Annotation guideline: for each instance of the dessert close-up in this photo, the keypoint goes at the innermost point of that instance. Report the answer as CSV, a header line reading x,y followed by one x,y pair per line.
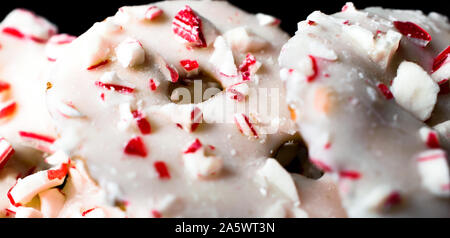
x,y
201,109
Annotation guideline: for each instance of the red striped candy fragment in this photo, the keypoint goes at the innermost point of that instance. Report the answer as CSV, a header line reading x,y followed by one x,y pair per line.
x,y
194,147
142,122
38,141
152,12
4,86
433,169
153,84
238,91
98,65
136,147
414,32
188,26
6,151
115,87
441,59
249,67
321,165
161,169
7,109
68,110
189,65
430,137
349,174
198,164
385,91
245,126
315,70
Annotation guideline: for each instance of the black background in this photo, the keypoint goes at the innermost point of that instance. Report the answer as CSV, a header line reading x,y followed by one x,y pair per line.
x,y
75,16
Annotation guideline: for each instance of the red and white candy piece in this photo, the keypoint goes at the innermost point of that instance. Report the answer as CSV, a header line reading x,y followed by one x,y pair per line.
x,y
95,212
238,91
56,44
136,147
38,141
152,13
6,151
23,24
52,201
191,66
279,179
223,59
441,67
169,71
430,137
25,189
414,90
386,45
97,53
434,170
267,20
242,40
414,32
58,158
7,109
111,81
198,164
245,126
130,53
153,84
249,67
68,110
187,25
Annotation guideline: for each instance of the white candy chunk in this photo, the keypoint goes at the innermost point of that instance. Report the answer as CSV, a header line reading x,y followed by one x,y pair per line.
x,y
28,212
95,213
52,201
362,37
385,47
35,27
152,12
244,41
199,165
238,91
97,51
320,50
111,78
58,158
349,6
130,53
267,20
223,58
434,171
30,186
107,27
414,90
56,44
443,129
277,177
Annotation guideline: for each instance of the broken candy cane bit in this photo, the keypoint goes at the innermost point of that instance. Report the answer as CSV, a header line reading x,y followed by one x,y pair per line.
x,y
194,147
142,122
245,126
441,59
98,65
188,26
152,12
161,169
249,67
4,86
430,138
170,73
115,87
280,179
68,110
414,32
350,174
267,20
55,45
25,189
223,59
94,213
13,32
153,84
130,53
58,158
244,41
415,90
434,171
52,201
136,147
315,70
349,6
189,65
238,91
385,91
191,121
36,137
97,54
6,151
321,165
7,109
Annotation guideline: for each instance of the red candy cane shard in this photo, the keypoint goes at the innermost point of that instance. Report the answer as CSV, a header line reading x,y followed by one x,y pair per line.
x,y
136,147
7,109
194,147
315,69
441,59
11,31
142,123
245,126
156,214
385,91
174,76
321,165
430,137
245,67
104,62
188,26
58,173
6,151
115,87
152,12
87,211
34,136
414,32
161,169
10,197
189,65
153,84
352,175
4,86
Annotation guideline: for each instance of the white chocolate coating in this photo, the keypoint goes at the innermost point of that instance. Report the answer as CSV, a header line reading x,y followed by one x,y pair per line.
x,y
337,84
219,175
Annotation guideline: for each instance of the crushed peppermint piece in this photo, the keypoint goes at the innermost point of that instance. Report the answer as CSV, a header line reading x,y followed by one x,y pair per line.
x,y
189,65
142,122
430,137
162,170
7,109
267,20
152,13
6,151
238,91
385,91
249,67
245,126
136,147
414,32
187,25
130,53
434,171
